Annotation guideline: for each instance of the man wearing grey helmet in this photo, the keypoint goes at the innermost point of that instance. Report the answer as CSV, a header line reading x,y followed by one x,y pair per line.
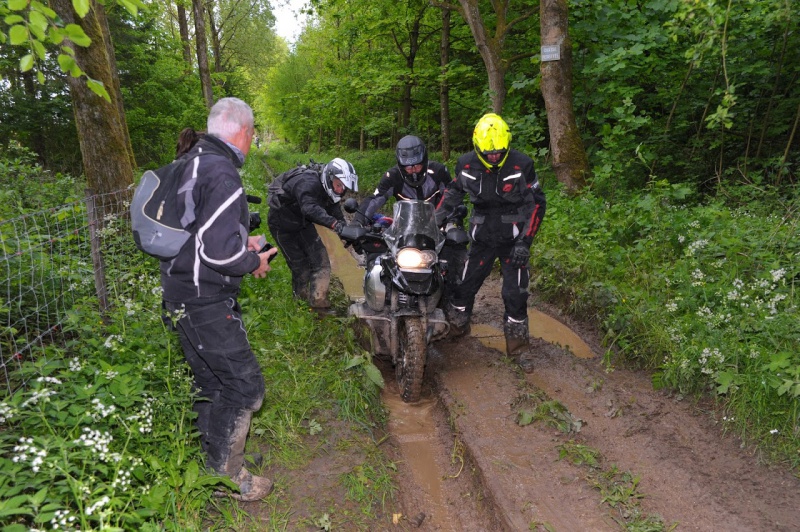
x,y
308,196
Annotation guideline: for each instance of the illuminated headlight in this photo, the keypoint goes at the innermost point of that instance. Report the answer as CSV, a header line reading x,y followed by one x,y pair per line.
x,y
414,259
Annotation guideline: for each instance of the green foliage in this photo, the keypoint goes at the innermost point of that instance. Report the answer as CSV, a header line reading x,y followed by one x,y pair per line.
x,y
20,175
101,437
34,26
704,294
102,434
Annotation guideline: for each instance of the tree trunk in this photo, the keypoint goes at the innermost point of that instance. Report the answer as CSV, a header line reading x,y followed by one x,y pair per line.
x,y
102,131
444,89
183,27
202,52
490,50
406,104
215,44
569,156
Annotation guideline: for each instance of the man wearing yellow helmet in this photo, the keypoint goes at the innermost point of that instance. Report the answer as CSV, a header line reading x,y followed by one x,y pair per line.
x,y
508,206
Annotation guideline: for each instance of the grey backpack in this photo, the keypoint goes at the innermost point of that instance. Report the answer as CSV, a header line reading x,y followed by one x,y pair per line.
x,y
157,228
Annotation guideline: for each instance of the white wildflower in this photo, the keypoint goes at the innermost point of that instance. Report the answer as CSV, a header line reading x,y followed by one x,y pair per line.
x,y
777,275
100,410
97,505
6,412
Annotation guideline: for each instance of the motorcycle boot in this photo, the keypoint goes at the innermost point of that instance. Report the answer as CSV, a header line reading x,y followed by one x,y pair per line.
x,y
458,317
518,343
320,285
251,487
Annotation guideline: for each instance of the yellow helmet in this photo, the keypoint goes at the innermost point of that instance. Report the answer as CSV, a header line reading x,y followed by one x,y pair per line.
x,y
491,136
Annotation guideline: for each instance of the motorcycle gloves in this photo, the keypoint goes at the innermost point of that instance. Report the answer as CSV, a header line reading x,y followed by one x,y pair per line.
x,y
520,255
338,227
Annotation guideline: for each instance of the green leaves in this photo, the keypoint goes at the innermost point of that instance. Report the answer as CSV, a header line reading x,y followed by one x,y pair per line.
x,y
18,34
81,7
76,34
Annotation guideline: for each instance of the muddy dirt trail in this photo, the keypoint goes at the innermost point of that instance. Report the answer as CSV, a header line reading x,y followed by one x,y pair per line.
x,y
470,461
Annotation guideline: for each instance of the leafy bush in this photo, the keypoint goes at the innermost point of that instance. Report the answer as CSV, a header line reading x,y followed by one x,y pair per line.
x,y
25,186
704,294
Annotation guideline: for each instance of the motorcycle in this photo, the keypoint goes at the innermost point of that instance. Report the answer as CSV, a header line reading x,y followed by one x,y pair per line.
x,y
403,285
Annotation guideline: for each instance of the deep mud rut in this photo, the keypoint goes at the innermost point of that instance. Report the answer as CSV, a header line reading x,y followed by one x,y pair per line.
x,y
495,474
465,463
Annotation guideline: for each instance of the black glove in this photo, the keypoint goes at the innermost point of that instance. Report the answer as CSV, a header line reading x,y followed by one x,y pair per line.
x,y
338,227
520,255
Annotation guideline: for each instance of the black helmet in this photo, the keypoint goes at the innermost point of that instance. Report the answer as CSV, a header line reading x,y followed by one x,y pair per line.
x,y
411,151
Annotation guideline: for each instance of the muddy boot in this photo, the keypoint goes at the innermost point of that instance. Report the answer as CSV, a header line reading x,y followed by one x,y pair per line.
x,y
525,362
251,487
458,317
518,342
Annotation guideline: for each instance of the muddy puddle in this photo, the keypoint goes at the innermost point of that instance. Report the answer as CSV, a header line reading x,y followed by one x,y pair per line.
x,y
413,426
346,268
691,475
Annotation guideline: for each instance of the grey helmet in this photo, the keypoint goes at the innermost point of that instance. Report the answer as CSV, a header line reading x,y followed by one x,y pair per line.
x,y
344,171
411,151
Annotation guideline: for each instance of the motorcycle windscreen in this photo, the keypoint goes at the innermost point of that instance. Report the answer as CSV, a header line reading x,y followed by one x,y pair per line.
x,y
414,226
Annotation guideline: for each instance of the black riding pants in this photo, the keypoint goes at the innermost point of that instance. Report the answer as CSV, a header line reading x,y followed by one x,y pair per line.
x,y
480,260
308,261
227,376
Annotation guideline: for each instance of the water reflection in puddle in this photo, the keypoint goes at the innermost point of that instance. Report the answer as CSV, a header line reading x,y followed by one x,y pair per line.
x,y
413,427
540,326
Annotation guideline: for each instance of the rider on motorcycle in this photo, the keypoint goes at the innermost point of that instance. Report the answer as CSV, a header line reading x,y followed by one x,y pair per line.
x,y
415,178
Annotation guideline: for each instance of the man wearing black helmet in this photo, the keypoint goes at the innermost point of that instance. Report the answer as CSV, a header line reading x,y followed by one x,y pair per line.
x,y
508,206
309,197
415,178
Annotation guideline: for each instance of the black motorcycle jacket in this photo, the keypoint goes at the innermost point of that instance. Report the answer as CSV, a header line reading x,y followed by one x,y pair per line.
x,y
510,201
437,179
213,204
303,202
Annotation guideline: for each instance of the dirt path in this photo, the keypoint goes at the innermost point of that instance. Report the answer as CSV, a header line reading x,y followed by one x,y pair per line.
x,y
690,475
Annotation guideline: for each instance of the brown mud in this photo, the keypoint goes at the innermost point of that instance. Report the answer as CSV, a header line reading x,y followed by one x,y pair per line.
x,y
464,463
691,475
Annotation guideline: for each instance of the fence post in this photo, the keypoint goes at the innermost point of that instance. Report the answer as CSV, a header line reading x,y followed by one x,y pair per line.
x,y
97,255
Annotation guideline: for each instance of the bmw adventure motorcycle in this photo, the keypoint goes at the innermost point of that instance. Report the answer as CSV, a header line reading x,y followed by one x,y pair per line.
x,y
403,285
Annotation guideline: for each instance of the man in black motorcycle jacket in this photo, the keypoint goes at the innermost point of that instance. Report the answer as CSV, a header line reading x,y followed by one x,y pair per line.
x,y
306,198
416,178
508,206
200,289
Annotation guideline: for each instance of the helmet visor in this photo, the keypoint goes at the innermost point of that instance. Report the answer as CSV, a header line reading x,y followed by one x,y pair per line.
x,y
410,156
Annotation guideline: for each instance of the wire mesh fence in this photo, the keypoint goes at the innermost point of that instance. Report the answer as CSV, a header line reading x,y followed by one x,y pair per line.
x,y
50,260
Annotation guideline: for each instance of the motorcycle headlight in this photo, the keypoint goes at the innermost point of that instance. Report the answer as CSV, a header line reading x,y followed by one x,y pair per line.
x,y
414,259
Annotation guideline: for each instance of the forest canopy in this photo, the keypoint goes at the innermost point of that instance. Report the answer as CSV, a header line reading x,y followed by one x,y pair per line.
x,y
699,92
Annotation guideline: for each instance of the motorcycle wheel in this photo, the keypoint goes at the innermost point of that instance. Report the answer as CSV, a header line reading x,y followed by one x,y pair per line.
x,y
410,366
